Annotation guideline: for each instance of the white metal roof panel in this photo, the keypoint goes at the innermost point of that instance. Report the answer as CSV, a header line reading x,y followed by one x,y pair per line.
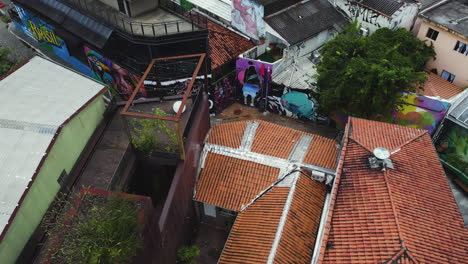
x,y
37,99
43,92
221,8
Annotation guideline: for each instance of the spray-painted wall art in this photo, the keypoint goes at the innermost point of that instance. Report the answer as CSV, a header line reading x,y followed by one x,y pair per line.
x,y
119,80
295,104
373,19
255,78
420,112
452,147
247,16
45,34
223,93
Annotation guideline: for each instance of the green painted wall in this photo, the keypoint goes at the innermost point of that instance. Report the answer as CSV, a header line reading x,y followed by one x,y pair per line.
x,y
65,152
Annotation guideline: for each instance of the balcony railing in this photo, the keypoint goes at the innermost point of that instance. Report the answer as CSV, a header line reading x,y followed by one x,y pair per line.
x,y
136,27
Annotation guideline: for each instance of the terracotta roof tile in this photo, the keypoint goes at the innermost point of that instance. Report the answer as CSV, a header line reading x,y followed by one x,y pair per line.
x,y
323,152
377,134
436,86
231,183
254,231
402,215
225,45
300,230
275,140
227,134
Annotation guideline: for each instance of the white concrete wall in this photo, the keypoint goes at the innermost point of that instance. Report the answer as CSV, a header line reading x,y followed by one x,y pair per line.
x,y
306,47
373,20
404,17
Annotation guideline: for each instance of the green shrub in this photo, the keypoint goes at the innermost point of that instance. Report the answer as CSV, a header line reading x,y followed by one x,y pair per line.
x,y
149,132
188,255
105,230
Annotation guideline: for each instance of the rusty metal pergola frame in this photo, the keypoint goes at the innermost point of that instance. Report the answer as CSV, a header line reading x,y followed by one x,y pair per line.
x,y
125,111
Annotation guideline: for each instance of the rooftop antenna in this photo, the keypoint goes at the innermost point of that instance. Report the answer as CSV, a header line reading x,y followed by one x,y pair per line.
x,y
381,159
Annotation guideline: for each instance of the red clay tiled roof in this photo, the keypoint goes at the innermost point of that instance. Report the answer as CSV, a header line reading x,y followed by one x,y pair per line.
x,y
300,230
227,134
231,183
325,155
254,231
275,140
371,135
225,45
402,215
252,236
436,86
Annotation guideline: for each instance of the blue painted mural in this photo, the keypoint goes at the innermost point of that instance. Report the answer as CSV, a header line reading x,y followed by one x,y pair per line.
x,y
44,33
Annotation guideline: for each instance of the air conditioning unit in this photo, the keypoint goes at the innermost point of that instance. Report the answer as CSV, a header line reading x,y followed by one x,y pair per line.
x,y
318,176
364,32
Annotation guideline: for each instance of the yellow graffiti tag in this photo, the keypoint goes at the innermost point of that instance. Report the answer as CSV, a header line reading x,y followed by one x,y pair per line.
x,y
43,34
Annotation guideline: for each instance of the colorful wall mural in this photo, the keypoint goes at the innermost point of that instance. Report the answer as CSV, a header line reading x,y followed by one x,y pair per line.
x,y
247,16
120,81
223,93
255,78
420,112
452,147
45,34
295,104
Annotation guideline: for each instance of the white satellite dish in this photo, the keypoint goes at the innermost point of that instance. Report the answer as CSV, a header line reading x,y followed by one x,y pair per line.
x,y
381,153
176,107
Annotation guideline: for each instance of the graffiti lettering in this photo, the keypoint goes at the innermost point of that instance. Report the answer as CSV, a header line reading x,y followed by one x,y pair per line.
x,y
42,33
365,14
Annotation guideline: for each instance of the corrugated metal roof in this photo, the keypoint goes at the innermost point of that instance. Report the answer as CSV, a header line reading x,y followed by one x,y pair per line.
x,y
217,7
387,7
37,98
460,111
306,20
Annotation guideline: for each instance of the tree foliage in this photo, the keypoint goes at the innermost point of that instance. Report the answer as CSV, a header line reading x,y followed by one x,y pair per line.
x,y
364,76
5,64
104,230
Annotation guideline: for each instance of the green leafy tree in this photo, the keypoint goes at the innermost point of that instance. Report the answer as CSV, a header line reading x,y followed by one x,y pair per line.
x,y
5,63
188,255
364,76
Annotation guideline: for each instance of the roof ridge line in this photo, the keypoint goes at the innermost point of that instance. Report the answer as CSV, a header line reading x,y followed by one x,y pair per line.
x,y
398,254
284,216
411,140
334,192
387,185
268,189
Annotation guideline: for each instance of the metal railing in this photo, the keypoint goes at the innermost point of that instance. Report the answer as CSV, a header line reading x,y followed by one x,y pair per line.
x,y
131,26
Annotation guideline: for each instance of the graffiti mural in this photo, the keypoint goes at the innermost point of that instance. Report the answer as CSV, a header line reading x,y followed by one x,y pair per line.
x,y
294,104
255,78
452,147
420,112
362,13
119,80
223,93
247,16
45,35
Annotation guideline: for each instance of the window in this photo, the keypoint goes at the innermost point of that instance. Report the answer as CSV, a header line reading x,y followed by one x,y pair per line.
x,y
432,34
461,47
447,76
